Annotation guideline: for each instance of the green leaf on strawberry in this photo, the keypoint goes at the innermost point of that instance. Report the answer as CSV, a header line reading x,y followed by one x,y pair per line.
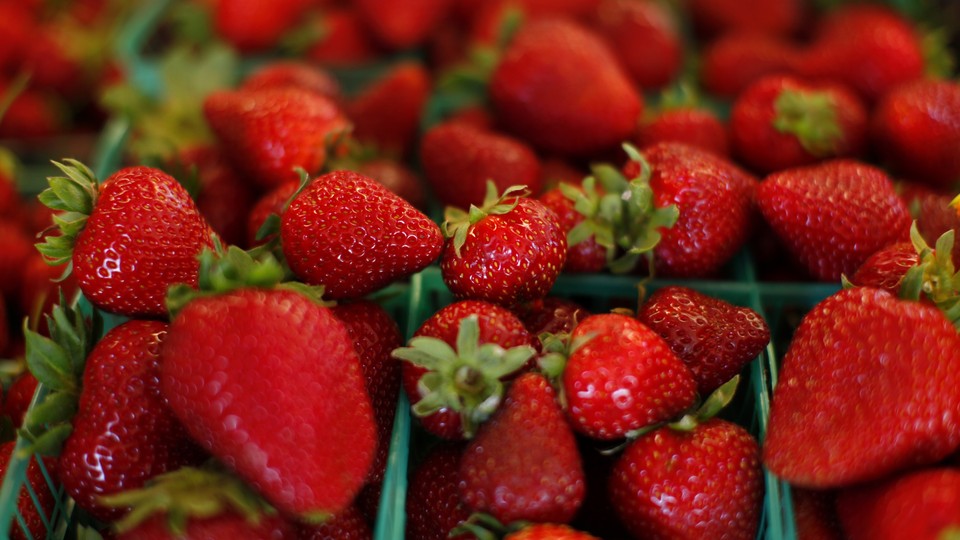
x,y
935,276
456,222
812,117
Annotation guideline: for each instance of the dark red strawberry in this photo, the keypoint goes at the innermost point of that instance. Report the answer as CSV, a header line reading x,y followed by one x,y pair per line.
x,y
886,396
347,525
917,504
524,463
781,121
459,159
552,315
32,115
18,397
886,268
433,504
267,133
18,24
833,215
550,65
297,73
703,483
621,376
129,237
344,39
497,327
714,338
398,178
17,247
585,255
123,433
694,126
815,514
352,235
931,210
40,288
733,62
645,37
548,531
36,500
508,251
870,48
275,371
761,17
916,128
401,26
227,525
386,113
251,26
273,202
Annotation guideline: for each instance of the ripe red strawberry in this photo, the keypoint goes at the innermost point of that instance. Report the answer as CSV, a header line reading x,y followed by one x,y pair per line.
x,y
272,202
251,26
17,247
129,238
386,113
586,255
645,37
714,338
548,531
815,514
227,525
553,315
347,525
298,73
733,62
459,159
39,288
32,115
268,381
401,26
18,397
353,236
702,483
344,39
508,251
917,504
496,326
623,377
870,48
833,215
35,513
267,133
694,126
886,394
762,17
398,178
779,122
123,433
714,198
916,128
551,65
886,268
524,463
17,26
433,504
931,210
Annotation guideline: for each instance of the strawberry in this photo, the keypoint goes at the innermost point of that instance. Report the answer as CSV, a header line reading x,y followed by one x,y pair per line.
x,y
779,122
275,371
476,387
298,73
586,255
508,251
433,504
17,247
621,376
833,215
703,483
398,178
251,26
267,133
128,238
886,395
32,115
344,39
550,65
915,128
694,126
733,62
870,48
40,287
815,514
524,463
36,500
552,315
18,397
347,525
886,268
353,236
931,210
459,159
918,504
645,37
228,525
402,26
386,113
714,199
123,433
714,338
548,531
272,202
17,25
772,17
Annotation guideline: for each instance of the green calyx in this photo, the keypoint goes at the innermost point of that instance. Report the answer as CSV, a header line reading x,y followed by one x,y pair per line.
x,y
486,527
457,222
811,116
57,362
188,493
72,198
466,379
622,217
556,349
934,277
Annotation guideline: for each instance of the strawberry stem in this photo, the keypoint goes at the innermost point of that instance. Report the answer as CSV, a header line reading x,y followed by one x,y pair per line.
x,y
812,117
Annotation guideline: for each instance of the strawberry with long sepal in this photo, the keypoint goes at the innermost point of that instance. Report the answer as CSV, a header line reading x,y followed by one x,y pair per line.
x,y
251,364
352,235
619,376
195,503
714,338
524,463
508,251
464,377
586,255
886,391
833,215
123,433
699,477
128,238
934,276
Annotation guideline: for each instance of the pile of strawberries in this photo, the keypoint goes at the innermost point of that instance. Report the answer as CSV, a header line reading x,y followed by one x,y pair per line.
x,y
269,207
